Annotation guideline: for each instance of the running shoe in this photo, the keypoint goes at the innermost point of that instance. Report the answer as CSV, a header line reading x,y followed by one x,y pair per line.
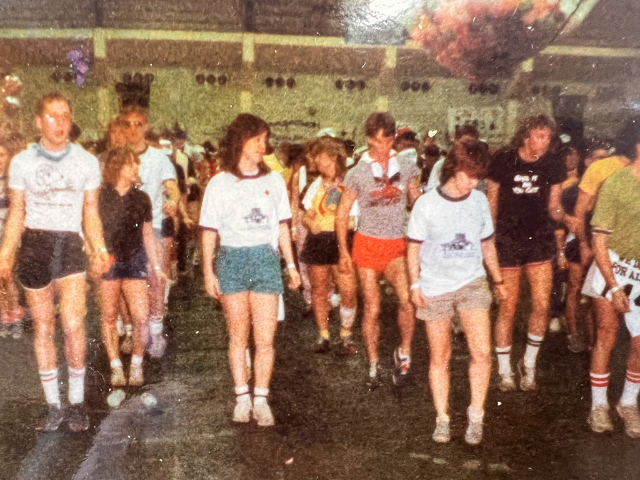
x,y
373,381
77,418
262,414
599,419
507,382
402,367
323,345
242,412
345,349
527,377
157,346
54,419
5,329
473,435
576,343
555,325
126,346
117,377
442,433
136,375
629,414
17,330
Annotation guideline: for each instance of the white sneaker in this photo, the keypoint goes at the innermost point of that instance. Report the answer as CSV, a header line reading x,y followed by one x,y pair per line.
x,y
507,382
136,375
554,325
473,435
242,412
442,433
629,414
527,377
158,346
117,377
262,414
599,419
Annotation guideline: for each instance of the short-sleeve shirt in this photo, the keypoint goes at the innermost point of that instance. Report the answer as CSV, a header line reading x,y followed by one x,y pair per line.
x,y
617,213
451,232
122,219
324,202
599,171
155,169
523,198
382,196
247,211
54,185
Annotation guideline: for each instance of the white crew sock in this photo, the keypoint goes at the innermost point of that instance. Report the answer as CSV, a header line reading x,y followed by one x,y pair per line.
x,y
242,394
533,347
504,360
260,396
128,329
281,308
49,379
116,363
631,388
76,385
475,416
599,384
120,326
347,317
136,360
155,325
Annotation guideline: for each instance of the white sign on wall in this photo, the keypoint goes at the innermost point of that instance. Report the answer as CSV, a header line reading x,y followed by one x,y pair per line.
x,y
488,120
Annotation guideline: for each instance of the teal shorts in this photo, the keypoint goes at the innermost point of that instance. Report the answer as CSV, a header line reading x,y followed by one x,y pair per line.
x,y
249,269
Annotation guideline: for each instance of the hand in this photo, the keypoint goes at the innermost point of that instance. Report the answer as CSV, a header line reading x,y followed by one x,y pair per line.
x,y
159,274
100,263
563,263
294,234
6,267
500,291
620,301
344,264
417,298
170,208
211,286
294,279
586,254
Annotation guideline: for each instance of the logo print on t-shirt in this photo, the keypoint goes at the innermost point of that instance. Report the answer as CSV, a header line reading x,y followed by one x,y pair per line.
x,y
50,180
459,247
525,184
256,217
330,201
386,192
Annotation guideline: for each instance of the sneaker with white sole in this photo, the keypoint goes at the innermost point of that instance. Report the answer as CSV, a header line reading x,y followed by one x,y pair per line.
x,y
473,435
442,433
157,346
136,375
242,412
507,382
17,330
555,325
117,377
402,368
126,346
262,414
629,414
527,377
5,329
599,419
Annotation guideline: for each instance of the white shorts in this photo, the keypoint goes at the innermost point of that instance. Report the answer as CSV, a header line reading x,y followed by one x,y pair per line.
x,y
627,273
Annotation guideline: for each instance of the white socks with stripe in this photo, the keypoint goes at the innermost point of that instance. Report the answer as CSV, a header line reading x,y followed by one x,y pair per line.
x,y
631,388
155,325
49,380
260,396
242,394
533,347
504,360
599,384
76,385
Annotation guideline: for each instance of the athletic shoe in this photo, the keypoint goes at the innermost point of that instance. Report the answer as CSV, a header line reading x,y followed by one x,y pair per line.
x,y
55,417
334,300
599,419
126,346
507,382
323,345
629,414
527,377
554,325
157,346
576,343
136,375
117,377
473,435
402,367
345,349
242,412
5,329
262,414
373,381
442,433
17,330
77,418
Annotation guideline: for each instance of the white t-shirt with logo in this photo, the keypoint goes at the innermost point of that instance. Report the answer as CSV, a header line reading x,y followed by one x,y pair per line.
x,y
246,212
450,232
155,169
54,189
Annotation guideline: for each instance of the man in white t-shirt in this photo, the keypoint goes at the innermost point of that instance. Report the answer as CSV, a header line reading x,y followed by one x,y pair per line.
x,y
54,198
159,179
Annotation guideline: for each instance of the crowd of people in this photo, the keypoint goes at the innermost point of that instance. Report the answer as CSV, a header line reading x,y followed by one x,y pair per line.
x,y
448,231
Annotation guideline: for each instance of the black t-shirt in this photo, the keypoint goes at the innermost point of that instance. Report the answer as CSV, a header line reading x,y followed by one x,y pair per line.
x,y
523,199
122,219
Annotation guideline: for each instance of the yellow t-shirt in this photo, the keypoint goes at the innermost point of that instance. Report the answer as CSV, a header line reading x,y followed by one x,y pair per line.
x,y
274,164
599,172
325,203
572,179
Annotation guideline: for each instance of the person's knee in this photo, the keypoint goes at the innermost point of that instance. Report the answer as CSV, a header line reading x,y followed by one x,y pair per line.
x,y
482,355
440,360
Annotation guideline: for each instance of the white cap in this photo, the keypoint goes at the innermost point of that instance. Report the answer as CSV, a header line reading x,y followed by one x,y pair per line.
x,y
326,132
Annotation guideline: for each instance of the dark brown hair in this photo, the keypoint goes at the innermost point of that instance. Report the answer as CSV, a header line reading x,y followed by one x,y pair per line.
x,y
469,156
115,160
244,127
529,124
137,109
333,147
380,121
466,130
51,97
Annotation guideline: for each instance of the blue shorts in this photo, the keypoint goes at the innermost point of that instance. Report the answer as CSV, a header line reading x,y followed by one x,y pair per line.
x,y
254,269
133,268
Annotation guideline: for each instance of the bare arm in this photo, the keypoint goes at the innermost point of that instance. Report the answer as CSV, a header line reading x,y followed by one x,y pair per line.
x,y
284,242
619,298
342,227
12,232
555,207
294,202
151,247
209,239
583,205
413,266
414,190
92,226
490,257
493,189
170,207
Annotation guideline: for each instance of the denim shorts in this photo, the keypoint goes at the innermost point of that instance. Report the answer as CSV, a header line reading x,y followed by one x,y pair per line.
x,y
255,269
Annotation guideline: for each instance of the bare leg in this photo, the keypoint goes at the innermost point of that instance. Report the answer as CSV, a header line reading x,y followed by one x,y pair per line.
x,y
477,328
540,276
238,316
370,322
110,294
264,310
137,296
40,304
320,286
396,274
439,336
507,310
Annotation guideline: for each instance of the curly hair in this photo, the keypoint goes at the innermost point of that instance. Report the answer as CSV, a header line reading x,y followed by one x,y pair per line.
x,y
469,156
334,147
244,127
529,124
115,160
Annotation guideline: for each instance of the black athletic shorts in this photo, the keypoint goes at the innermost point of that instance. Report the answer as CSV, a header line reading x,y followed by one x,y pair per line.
x,y
572,251
133,268
517,250
168,229
47,255
322,248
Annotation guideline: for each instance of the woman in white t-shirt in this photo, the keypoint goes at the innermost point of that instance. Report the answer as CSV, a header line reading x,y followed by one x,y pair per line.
x,y
247,207
450,234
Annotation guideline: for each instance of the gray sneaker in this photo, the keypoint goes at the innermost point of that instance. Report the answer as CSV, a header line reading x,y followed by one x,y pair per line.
x,y
77,418
473,435
507,383
157,346
442,433
54,418
17,330
629,414
599,419
5,329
